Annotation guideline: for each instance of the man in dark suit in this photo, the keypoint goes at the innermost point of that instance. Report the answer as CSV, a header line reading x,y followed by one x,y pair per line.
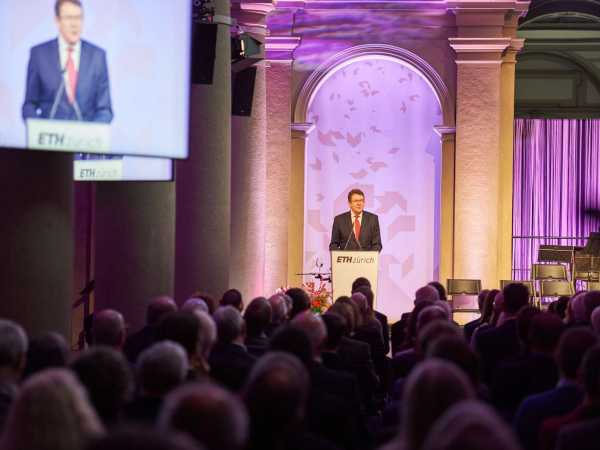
x,y
67,78
356,229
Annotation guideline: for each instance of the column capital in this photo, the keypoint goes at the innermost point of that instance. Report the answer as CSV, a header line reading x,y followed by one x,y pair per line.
x,y
302,130
251,15
479,50
446,134
510,55
281,48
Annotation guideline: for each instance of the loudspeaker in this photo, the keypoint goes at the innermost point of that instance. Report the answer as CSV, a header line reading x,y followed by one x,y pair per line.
x,y
243,92
204,44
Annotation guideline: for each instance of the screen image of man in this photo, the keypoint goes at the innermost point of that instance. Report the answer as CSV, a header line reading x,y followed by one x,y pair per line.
x,y
356,229
67,77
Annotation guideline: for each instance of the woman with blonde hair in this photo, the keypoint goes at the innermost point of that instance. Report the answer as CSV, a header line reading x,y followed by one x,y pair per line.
x,y
51,412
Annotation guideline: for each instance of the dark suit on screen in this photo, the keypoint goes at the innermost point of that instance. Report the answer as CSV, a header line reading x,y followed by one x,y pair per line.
x,y
342,233
44,77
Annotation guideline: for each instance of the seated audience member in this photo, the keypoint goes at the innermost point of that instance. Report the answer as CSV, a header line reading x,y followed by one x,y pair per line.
x,y
591,301
576,310
370,333
535,370
588,409
51,412
335,326
214,417
207,338
13,354
487,314
195,304
470,425
142,438
565,396
559,307
257,317
470,327
105,374
363,286
300,301
495,345
185,329
440,288
232,297
229,360
276,395
279,313
210,301
431,389
46,351
328,402
159,369
108,329
156,310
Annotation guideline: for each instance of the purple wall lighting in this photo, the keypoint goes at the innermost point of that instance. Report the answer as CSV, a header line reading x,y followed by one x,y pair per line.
x,y
374,122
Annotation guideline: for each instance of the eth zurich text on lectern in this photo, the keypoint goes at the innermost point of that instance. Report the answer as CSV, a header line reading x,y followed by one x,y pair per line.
x,y
348,265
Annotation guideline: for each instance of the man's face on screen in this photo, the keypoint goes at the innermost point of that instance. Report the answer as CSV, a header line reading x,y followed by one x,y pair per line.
x,y
70,22
357,203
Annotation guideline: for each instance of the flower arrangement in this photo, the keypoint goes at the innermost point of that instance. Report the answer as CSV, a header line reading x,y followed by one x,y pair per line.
x,y
320,296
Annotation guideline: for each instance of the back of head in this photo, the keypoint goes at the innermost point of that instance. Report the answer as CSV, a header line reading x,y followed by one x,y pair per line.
x,y
346,312
161,368
13,345
436,330
232,297
230,324
544,332
488,305
314,328
142,438
207,334
300,301
106,376
470,425
571,347
455,349
431,314
195,304
368,293
50,412
336,327
576,308
411,332
360,300
591,300
481,298
360,281
211,415
181,327
158,308
275,394
210,301
591,374
294,341
431,388
257,316
440,288
524,317
426,293
516,295
45,351
278,309
108,328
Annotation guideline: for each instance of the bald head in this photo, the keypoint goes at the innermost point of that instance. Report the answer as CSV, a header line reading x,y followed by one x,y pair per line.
x,y
426,293
195,304
108,329
314,328
278,309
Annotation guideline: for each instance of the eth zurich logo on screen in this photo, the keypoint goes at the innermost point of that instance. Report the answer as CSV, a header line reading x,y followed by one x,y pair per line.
x,y
355,259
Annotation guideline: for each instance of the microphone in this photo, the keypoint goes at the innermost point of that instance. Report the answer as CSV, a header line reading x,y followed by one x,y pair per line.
x,y
58,94
349,236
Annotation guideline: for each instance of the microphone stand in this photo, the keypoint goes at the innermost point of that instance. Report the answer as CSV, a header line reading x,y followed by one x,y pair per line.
x,y
58,95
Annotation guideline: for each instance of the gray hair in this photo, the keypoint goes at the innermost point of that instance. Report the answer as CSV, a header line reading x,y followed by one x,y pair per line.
x,y
428,293
55,403
279,308
108,328
13,344
314,327
161,367
195,304
207,334
230,323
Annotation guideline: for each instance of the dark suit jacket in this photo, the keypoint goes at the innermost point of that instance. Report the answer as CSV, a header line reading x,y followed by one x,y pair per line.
x,y
139,341
495,345
44,77
342,233
580,436
385,330
230,364
537,408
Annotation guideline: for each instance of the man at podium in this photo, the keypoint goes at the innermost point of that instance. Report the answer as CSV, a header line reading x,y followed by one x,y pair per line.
x,y
356,229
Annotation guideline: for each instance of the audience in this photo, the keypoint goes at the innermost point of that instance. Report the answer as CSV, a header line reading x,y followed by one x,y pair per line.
x,y
311,380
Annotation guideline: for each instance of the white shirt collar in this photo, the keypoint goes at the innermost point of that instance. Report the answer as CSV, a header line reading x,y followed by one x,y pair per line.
x,y
62,51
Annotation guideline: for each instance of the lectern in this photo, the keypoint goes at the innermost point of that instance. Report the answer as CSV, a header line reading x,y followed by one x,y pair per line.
x,y
68,135
348,265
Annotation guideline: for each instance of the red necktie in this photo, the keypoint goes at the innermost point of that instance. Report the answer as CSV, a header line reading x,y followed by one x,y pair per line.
x,y
71,75
356,228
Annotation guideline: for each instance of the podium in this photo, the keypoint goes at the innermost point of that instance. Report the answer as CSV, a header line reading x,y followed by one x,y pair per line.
x,y
68,136
348,265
